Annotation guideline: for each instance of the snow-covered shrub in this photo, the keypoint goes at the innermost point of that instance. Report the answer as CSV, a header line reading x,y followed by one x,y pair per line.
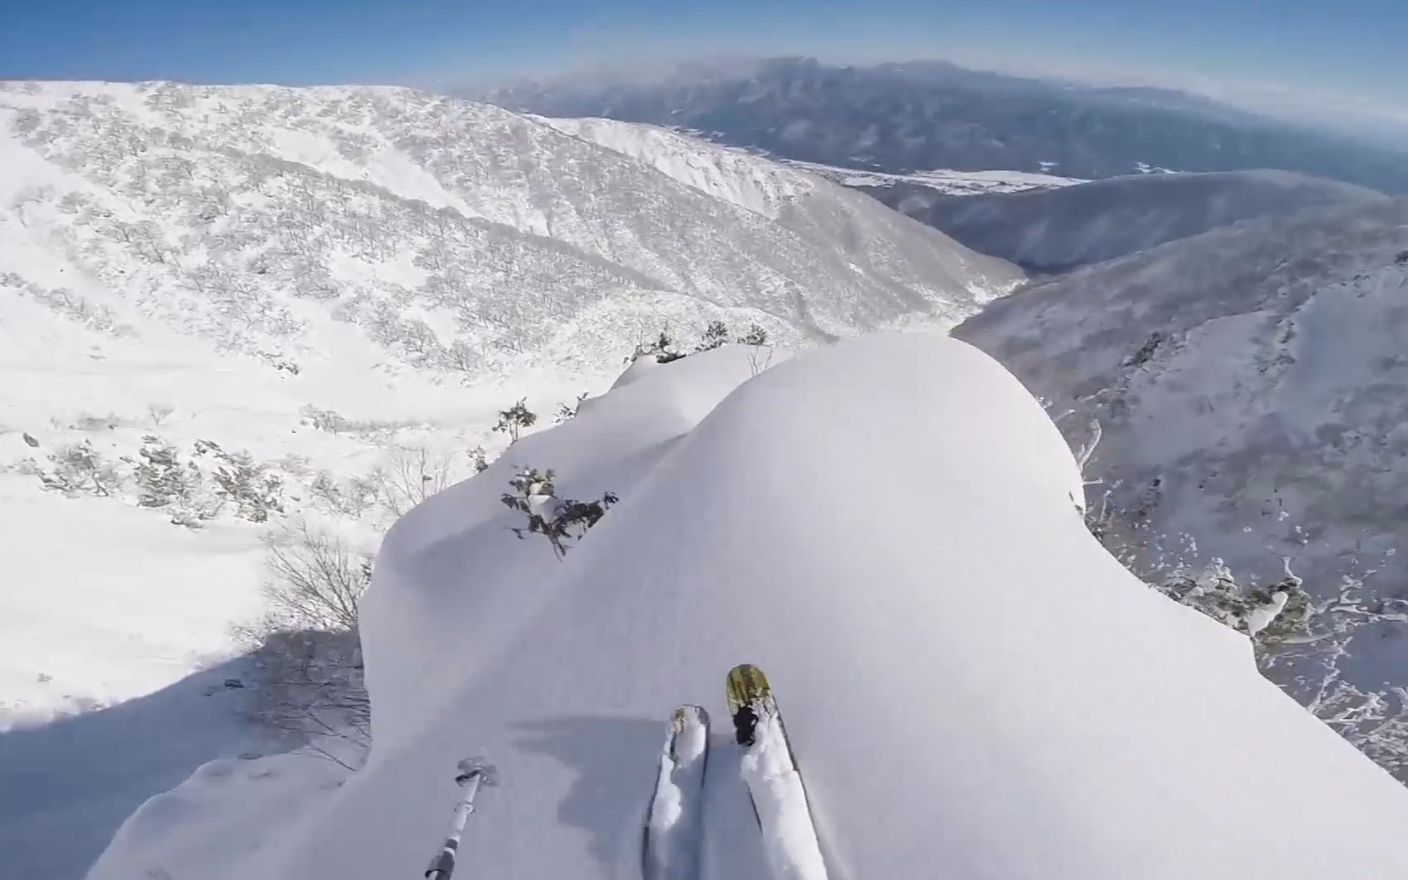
x,y
78,469
164,481
1270,615
325,419
756,335
307,648
479,459
662,349
513,420
1308,638
349,498
566,412
557,519
92,423
254,491
715,335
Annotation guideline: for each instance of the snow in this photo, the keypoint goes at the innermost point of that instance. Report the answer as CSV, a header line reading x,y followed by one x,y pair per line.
x,y
1260,617
672,842
889,527
329,278
217,823
781,802
943,180
797,197
733,175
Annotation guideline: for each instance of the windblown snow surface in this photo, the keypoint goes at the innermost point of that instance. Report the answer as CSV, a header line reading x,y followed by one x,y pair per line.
x,y
973,687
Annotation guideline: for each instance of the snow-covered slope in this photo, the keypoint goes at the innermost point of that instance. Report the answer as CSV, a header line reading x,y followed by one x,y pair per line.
x,y
973,686
733,175
1252,389
1054,229
797,201
218,263
437,233
335,280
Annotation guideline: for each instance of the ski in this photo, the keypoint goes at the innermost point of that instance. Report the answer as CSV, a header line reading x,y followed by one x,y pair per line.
x,y
769,769
670,849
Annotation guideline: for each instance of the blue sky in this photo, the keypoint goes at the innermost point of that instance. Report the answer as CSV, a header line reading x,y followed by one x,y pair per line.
x,y
1322,51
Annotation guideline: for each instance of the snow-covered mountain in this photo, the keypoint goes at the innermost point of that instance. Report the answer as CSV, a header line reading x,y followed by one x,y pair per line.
x,y
973,687
1054,229
450,235
908,117
331,289
800,203
1251,388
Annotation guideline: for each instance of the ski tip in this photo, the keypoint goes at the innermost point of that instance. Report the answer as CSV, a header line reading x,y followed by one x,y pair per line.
x,y
688,715
745,685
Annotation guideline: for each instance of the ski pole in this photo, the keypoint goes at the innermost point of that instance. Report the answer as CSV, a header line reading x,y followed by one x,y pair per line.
x,y
473,772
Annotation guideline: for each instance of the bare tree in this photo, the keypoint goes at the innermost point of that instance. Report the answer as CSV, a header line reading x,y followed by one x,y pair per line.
x,y
316,580
410,477
307,647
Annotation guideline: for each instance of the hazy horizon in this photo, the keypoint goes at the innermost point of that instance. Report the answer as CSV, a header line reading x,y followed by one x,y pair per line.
x,y
1301,61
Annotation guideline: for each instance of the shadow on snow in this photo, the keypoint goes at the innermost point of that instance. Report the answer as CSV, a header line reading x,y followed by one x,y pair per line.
x,y
68,784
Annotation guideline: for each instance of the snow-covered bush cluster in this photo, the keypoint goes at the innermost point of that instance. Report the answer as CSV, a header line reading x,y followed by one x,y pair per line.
x,y
198,488
664,348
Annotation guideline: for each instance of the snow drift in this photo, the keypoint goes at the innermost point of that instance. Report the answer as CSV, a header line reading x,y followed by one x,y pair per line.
x,y
973,687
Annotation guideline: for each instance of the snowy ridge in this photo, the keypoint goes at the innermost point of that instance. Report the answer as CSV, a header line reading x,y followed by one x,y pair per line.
x,y
735,176
1013,675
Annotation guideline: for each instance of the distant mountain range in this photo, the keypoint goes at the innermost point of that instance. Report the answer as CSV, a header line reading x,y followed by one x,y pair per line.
x,y
925,115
